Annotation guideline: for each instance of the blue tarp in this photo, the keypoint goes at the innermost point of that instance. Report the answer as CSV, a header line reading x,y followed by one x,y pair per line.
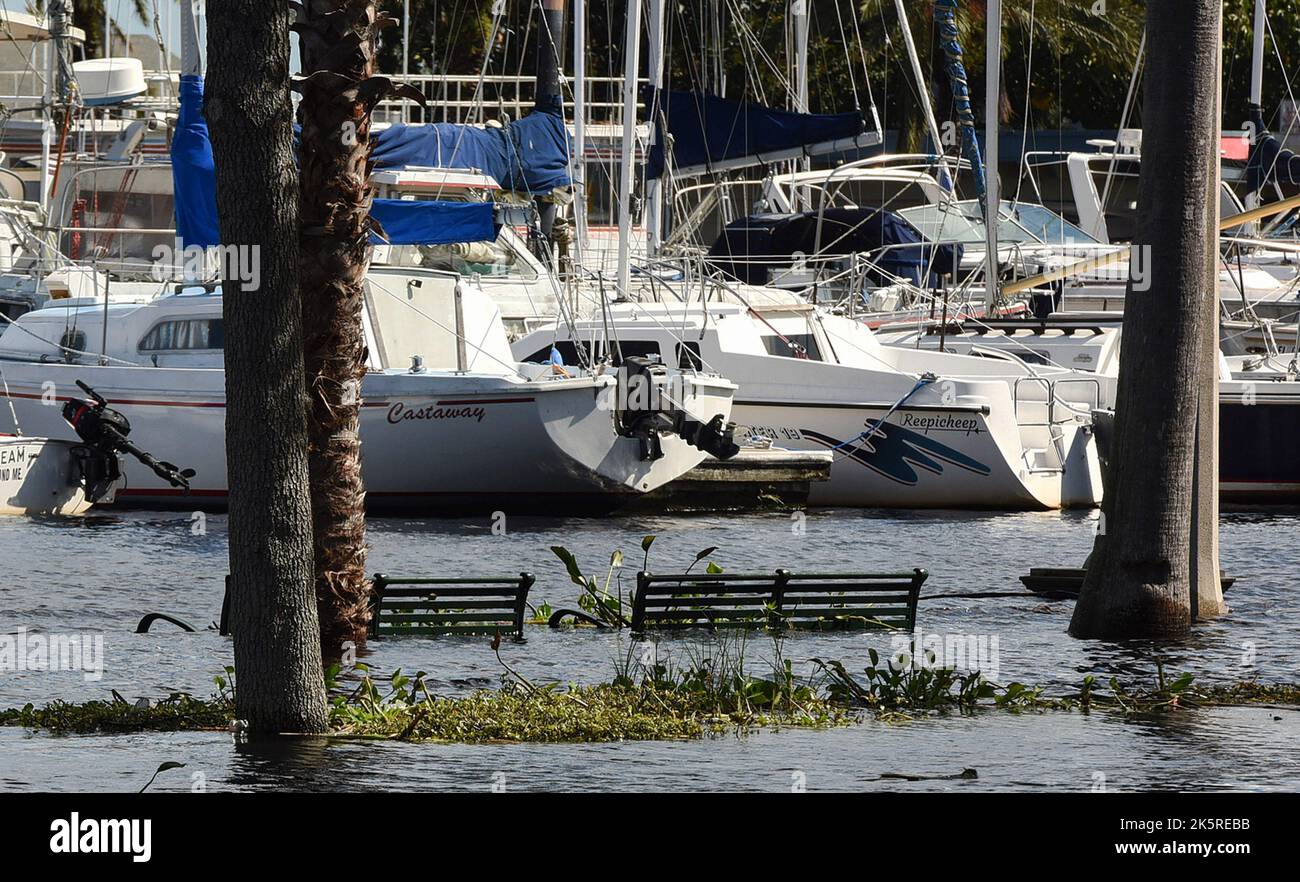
x,y
751,246
407,222
706,130
194,177
404,222
531,155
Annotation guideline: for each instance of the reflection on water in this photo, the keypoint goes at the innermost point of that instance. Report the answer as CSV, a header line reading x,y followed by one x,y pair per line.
x,y
100,574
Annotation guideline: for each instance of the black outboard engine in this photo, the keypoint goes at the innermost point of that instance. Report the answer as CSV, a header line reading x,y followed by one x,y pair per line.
x,y
647,410
105,432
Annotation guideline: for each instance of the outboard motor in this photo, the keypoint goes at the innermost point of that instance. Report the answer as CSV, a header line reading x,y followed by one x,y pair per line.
x,y
104,431
647,410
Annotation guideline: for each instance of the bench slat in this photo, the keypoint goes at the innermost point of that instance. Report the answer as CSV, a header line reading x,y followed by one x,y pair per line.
x,y
450,617
446,604
434,631
831,612
809,600
710,601
437,591
417,606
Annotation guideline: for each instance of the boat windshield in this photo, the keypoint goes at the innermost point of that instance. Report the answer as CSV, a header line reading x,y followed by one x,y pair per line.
x,y
1017,223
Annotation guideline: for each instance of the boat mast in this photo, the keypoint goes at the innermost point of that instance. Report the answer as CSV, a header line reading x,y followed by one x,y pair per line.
x,y
921,85
631,64
1257,59
549,43
58,86
1257,81
992,191
799,12
654,186
579,126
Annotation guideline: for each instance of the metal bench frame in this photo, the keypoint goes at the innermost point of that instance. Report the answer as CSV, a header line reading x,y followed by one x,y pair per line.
x,y
779,601
425,607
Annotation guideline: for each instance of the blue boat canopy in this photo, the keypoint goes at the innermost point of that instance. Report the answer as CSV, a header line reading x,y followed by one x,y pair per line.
x,y
405,222
409,222
710,134
529,156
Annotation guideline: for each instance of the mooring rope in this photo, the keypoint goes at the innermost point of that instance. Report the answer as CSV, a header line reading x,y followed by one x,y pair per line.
x,y
926,379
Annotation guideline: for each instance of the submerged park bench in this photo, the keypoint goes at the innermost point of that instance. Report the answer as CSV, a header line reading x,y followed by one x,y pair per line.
x,y
422,607
777,601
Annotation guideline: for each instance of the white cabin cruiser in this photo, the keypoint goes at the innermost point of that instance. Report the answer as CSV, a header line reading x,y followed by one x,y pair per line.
x,y
450,421
909,429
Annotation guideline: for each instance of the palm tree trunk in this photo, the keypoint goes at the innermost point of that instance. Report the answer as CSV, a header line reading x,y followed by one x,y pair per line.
x,y
1139,578
280,686
338,39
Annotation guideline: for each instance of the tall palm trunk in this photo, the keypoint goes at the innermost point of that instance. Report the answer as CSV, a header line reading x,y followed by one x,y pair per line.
x,y
338,40
280,685
1140,580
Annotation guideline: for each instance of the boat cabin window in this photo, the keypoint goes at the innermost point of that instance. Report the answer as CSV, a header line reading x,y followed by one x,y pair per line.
x,y
487,259
633,348
618,349
568,353
74,341
689,358
185,335
793,346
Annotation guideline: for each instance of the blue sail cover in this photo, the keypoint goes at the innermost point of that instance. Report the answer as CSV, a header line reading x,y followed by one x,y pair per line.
x,y
404,222
409,222
945,19
530,156
706,130
194,177
1269,160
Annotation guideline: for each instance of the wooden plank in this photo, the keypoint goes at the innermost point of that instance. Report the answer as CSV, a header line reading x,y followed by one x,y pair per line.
x,y
661,602
828,612
711,590
451,617
853,587
452,603
651,580
445,630
451,592
395,580
831,600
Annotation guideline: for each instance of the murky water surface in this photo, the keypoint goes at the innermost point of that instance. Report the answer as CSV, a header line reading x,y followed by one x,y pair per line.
x,y
100,574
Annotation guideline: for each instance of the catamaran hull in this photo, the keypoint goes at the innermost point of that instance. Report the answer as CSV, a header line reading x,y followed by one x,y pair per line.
x,y
469,444
921,457
39,476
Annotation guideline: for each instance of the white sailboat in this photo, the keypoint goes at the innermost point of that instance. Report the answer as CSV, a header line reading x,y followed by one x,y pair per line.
x,y
450,421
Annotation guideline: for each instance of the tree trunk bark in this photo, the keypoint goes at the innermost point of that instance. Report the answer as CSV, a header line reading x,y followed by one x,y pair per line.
x,y
338,39
280,686
1139,577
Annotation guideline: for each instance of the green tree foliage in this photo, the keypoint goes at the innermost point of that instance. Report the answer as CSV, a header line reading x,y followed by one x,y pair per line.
x,y
1065,62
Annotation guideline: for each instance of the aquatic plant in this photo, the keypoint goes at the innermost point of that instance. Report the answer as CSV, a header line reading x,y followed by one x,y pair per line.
x,y
650,697
178,712
612,608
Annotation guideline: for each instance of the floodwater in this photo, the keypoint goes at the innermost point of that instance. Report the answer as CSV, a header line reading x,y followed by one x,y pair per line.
x,y
99,574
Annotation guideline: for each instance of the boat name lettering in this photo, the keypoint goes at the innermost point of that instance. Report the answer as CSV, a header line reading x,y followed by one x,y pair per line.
x,y
400,412
13,455
943,423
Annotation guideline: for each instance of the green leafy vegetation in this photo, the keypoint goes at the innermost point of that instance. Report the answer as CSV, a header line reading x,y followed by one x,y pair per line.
x,y
608,603
711,692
